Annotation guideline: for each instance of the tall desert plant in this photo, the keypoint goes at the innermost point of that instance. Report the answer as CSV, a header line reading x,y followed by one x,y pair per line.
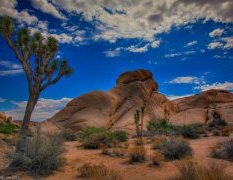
x,y
142,118
136,122
37,55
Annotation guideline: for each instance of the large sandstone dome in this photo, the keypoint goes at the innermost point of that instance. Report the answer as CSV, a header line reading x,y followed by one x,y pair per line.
x,y
115,109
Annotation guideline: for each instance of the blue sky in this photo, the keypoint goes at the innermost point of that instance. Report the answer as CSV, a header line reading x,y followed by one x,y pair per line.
x,y
186,44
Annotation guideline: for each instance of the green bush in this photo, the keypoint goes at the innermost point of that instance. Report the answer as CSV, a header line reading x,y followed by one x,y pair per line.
x,y
94,141
223,150
40,155
175,148
7,128
191,131
93,138
160,127
88,131
120,136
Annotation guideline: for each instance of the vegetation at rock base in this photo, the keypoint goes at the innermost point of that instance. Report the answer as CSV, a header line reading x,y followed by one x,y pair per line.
x,y
7,128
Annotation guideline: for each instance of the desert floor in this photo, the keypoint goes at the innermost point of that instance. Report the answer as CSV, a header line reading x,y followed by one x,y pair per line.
x,y
76,157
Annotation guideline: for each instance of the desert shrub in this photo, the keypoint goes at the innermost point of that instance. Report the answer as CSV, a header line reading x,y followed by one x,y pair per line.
x,y
88,131
157,158
226,131
175,148
193,171
160,127
94,141
98,172
40,155
191,131
223,150
139,141
69,135
7,128
120,135
137,154
216,132
157,141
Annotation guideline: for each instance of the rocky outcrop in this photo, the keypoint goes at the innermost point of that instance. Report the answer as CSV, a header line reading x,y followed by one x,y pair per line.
x,y
204,108
115,109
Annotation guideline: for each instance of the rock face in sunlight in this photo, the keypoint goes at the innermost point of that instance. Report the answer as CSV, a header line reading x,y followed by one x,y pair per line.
x,y
115,109
204,107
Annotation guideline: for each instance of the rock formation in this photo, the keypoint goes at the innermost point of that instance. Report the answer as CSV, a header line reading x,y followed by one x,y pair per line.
x,y
204,107
115,109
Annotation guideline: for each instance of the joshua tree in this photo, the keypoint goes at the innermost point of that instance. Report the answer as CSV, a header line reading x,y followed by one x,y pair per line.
x,y
142,119
37,56
136,121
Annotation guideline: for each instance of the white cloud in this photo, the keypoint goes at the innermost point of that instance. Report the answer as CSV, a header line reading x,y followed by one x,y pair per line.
x,y
8,8
217,85
2,100
216,33
44,109
12,68
174,97
145,19
192,43
8,64
11,72
172,55
185,80
112,53
215,45
229,42
47,7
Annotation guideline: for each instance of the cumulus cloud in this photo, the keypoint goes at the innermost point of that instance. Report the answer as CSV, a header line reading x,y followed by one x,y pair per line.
x,y
226,86
47,7
7,8
192,43
228,42
44,109
215,45
216,33
185,80
112,53
145,19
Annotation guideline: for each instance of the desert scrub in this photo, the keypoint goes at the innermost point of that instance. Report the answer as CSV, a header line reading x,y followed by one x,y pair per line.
x,y
98,172
94,141
157,158
175,148
139,141
88,131
193,171
69,135
160,127
7,128
137,154
223,150
40,155
120,136
191,131
226,131
157,141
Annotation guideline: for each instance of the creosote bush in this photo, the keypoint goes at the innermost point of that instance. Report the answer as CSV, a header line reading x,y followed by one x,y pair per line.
x,y
93,138
7,128
223,150
175,148
191,131
157,141
40,155
160,127
69,135
193,171
98,172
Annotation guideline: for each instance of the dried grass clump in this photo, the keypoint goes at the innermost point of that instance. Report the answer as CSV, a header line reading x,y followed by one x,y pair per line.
x,y
191,170
137,154
98,172
223,150
157,141
139,142
157,158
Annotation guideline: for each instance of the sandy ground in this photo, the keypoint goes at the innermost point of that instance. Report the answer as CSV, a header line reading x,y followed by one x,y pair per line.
x,y
76,157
